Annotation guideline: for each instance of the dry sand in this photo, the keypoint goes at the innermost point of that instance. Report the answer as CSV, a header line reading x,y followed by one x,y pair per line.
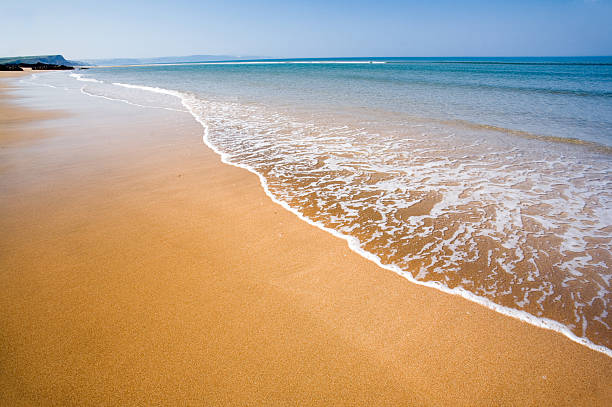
x,y
137,269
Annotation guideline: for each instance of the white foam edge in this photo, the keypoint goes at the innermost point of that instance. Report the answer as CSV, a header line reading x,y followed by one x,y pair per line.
x,y
354,245
79,77
83,91
31,80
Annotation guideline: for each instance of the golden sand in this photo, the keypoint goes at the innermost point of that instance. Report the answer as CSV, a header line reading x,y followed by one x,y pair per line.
x,y
137,269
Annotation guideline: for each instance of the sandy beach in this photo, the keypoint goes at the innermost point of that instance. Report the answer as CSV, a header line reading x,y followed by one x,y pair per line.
x,y
137,269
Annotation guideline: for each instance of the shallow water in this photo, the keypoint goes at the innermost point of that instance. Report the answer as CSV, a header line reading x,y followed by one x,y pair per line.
x,y
488,180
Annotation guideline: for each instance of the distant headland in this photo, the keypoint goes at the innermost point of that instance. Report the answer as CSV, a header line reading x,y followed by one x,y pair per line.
x,y
37,62
169,60
56,62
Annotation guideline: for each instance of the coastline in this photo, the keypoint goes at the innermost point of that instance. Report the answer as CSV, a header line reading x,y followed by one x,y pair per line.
x,y
543,321
143,270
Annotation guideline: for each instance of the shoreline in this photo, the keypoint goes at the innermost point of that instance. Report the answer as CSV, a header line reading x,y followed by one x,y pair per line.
x,y
289,321
354,244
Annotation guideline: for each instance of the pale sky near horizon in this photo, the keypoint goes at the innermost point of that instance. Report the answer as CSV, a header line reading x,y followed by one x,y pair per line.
x,y
316,28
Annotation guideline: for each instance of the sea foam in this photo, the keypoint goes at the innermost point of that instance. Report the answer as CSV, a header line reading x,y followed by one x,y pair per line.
x,y
391,214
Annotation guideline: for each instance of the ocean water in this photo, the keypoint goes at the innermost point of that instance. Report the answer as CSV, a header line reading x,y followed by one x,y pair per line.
x,y
489,178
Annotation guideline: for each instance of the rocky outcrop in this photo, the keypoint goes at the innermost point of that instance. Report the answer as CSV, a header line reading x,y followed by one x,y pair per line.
x,y
47,67
10,67
35,67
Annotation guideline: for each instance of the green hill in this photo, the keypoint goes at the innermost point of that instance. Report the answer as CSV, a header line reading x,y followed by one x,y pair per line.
x,y
45,59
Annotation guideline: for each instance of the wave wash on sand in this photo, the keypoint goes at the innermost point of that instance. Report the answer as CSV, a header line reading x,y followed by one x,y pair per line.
x,y
524,234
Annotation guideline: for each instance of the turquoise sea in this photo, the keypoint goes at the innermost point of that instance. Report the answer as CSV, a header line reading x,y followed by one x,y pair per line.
x,y
489,178
555,97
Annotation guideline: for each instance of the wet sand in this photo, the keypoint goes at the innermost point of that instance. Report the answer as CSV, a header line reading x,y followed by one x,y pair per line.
x,y
137,269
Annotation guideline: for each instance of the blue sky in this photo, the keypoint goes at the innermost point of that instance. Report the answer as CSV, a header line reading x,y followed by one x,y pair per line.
x,y
124,28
